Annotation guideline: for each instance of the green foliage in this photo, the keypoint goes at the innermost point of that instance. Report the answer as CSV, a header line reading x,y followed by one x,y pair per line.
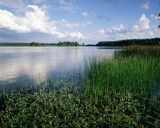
x,y
37,44
67,43
68,108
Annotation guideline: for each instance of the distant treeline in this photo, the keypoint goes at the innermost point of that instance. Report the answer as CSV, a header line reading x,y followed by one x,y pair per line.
x,y
153,41
14,44
65,43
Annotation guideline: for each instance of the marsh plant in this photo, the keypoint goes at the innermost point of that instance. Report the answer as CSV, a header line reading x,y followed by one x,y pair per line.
x,y
68,107
132,70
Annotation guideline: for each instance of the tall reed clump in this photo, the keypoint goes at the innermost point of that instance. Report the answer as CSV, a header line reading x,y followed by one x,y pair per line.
x,y
131,71
142,52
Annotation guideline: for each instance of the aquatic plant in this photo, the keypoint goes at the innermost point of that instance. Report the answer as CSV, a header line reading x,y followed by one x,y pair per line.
x,y
67,107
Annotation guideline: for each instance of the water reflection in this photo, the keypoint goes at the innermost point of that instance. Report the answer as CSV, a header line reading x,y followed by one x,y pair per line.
x,y
26,64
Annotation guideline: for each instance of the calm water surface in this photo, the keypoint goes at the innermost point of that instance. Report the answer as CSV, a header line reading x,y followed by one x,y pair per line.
x,y
19,65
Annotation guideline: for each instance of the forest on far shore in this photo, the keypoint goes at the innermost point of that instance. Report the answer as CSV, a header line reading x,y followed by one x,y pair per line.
x,y
65,43
152,41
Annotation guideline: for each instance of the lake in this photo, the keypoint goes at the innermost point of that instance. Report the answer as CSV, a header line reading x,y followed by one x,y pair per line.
x,y
31,65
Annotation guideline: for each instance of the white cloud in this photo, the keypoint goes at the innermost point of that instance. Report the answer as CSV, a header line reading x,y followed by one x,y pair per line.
x,y
87,13
101,32
70,25
76,35
108,34
145,5
113,30
35,20
143,23
119,29
135,28
139,30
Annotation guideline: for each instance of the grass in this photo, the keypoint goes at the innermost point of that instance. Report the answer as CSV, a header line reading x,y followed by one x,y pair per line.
x,y
133,74
119,92
135,71
143,51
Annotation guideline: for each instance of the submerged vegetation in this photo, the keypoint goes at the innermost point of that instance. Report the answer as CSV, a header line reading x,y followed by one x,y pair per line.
x,y
119,92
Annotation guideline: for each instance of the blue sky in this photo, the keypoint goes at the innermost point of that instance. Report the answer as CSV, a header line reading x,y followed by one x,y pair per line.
x,y
86,21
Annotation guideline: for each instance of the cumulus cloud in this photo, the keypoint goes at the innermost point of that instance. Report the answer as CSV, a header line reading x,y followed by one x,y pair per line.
x,y
113,30
119,29
108,34
145,5
34,20
111,36
139,30
143,23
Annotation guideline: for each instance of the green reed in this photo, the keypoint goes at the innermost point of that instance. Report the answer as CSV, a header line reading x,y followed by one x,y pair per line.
x,y
132,70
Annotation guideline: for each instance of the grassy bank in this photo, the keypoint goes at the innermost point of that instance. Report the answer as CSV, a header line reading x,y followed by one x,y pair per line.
x,y
120,92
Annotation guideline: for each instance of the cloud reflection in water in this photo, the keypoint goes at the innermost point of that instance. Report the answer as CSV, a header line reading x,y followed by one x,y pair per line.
x,y
37,63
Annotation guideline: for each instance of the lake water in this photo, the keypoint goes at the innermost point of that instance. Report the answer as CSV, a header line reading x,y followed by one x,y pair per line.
x,y
29,65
